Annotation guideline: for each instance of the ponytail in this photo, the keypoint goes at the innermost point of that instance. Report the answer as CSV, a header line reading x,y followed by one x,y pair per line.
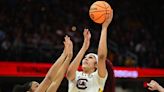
x,y
110,82
22,88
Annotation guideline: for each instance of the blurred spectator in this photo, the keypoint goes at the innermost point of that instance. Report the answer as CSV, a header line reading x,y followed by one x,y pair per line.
x,y
32,30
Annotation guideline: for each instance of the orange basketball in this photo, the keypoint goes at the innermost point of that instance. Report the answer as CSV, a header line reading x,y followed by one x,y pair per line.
x,y
99,11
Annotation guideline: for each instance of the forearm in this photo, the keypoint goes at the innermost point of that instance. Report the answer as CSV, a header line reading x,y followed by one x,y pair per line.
x,y
102,48
60,75
52,71
160,89
52,87
62,70
75,64
44,85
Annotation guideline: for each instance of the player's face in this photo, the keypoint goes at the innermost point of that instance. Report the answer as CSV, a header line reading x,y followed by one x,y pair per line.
x,y
89,62
34,86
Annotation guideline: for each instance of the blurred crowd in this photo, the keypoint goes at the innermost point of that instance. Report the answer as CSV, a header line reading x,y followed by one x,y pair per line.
x,y
33,30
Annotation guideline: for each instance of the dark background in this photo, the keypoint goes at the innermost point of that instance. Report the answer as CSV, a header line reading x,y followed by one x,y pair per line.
x,y
33,31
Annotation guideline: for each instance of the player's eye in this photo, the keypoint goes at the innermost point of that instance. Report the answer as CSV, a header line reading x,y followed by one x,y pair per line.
x,y
90,57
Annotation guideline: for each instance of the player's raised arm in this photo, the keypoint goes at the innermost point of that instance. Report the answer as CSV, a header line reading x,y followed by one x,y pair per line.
x,y
62,70
102,48
51,73
76,62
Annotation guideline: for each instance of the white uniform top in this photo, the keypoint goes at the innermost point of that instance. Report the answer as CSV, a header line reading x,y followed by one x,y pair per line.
x,y
87,82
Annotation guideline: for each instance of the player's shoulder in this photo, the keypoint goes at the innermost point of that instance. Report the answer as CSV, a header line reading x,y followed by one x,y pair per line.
x,y
79,72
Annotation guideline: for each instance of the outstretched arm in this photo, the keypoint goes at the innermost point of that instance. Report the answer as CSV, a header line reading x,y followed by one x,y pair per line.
x,y
102,48
76,62
62,70
51,73
153,85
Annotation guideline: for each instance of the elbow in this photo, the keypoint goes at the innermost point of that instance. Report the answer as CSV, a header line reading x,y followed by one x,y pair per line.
x,y
69,76
102,56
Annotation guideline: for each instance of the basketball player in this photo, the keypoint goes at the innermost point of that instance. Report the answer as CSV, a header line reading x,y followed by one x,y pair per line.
x,y
153,85
94,74
55,74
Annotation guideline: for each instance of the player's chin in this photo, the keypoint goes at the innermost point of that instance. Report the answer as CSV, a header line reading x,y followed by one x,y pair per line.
x,y
85,66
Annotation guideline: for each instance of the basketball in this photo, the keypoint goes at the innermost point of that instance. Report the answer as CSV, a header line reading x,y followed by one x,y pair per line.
x,y
99,11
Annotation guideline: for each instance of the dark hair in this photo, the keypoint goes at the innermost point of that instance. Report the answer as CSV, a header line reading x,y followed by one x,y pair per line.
x,y
110,82
22,88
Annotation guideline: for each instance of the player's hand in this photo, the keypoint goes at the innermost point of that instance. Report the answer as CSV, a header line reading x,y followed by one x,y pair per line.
x,y
153,85
108,20
68,46
87,37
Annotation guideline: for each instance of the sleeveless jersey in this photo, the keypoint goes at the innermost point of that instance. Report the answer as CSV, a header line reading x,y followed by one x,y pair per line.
x,y
87,82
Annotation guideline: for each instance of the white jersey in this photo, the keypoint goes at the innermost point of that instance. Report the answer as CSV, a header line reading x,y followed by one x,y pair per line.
x,y
87,82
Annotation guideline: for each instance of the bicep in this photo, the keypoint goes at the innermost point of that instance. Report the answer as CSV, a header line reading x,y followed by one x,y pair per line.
x,y
101,67
101,81
70,75
73,76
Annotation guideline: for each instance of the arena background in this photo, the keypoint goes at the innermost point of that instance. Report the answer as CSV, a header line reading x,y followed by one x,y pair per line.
x,y
32,31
